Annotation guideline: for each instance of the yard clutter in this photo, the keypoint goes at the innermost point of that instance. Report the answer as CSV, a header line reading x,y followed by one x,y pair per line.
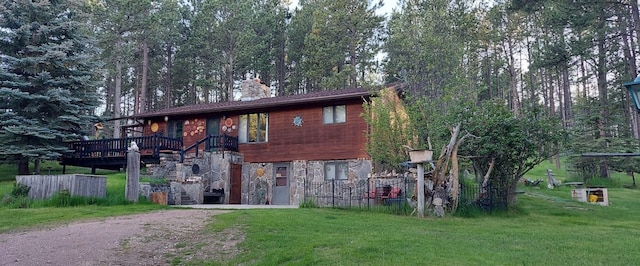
x,y
441,184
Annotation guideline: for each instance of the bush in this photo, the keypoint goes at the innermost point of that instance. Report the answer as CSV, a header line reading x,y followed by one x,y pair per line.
x,y
308,203
20,190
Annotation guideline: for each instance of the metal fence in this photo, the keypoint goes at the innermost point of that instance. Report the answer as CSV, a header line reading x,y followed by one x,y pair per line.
x,y
391,194
388,193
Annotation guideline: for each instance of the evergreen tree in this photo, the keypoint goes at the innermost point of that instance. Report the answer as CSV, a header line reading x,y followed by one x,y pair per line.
x,y
47,82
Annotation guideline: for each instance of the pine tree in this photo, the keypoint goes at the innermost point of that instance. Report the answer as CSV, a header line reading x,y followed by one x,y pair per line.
x,y
47,79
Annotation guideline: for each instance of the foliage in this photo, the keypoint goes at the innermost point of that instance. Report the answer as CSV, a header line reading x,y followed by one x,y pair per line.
x,y
389,131
514,144
425,45
308,203
341,42
20,190
586,137
47,78
154,180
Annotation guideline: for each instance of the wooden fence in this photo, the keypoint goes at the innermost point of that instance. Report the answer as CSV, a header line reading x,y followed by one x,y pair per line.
x,y
44,186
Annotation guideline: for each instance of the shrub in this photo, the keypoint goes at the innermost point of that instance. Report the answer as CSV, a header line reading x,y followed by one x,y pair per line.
x,y
20,190
308,203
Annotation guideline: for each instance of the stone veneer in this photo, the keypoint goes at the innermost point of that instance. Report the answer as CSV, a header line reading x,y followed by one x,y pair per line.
x,y
214,173
258,189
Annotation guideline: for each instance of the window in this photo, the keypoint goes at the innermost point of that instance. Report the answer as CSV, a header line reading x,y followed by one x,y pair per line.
x,y
253,128
334,114
336,170
174,128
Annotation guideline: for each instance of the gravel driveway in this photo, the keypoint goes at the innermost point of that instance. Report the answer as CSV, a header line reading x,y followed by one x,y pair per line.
x,y
157,238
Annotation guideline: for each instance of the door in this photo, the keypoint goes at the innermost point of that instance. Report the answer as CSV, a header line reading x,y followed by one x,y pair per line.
x,y
235,193
281,184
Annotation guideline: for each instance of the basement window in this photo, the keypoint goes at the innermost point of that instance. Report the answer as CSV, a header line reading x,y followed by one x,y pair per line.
x,y
336,170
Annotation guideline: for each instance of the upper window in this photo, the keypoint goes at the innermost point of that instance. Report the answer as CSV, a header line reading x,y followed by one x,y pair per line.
x,y
334,114
336,170
253,128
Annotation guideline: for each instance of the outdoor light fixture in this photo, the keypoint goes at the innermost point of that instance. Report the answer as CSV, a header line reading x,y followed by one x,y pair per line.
x,y
166,118
634,91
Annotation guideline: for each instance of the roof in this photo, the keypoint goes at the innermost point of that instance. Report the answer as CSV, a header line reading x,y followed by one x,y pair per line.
x,y
264,103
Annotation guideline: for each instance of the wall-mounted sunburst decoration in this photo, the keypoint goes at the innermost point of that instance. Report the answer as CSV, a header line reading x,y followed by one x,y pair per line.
x,y
297,121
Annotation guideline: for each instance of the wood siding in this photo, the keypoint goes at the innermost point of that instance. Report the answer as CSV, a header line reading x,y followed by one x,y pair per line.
x,y
287,142
311,141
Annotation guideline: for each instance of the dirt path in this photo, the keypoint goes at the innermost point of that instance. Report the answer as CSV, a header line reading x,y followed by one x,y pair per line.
x,y
158,238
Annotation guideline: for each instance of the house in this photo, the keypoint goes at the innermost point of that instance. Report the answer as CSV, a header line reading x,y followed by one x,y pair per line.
x,y
261,149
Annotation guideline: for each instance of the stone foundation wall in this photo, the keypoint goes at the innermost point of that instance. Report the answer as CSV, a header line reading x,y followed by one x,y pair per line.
x,y
258,179
211,170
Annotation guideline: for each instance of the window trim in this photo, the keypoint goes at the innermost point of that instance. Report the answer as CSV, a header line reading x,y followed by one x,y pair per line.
x,y
334,113
336,165
244,128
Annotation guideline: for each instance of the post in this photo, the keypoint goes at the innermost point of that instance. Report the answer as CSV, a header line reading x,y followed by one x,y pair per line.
x,y
133,176
420,185
419,157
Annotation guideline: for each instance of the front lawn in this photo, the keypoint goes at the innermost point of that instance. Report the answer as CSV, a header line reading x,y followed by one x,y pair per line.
x,y
548,228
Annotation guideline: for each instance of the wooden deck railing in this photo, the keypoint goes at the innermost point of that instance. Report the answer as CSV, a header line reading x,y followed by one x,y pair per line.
x,y
104,148
148,145
213,142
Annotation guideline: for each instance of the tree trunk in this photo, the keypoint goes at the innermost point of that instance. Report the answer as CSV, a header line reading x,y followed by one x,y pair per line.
x,y
23,166
568,103
118,90
142,104
513,79
636,18
632,71
36,166
167,90
601,69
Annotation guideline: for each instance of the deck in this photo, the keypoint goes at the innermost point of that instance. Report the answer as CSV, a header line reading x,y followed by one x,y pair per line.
x,y
111,153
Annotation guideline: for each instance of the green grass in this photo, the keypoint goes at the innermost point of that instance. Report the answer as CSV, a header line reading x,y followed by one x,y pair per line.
x,y
48,212
546,229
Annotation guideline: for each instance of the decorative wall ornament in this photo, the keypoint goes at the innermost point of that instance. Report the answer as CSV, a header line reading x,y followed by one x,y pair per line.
x,y
297,121
228,125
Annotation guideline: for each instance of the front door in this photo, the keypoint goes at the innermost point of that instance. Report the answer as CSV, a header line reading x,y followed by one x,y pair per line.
x,y
281,184
235,193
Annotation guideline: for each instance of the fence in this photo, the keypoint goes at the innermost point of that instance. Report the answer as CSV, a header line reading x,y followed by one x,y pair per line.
x,y
392,194
389,193
44,186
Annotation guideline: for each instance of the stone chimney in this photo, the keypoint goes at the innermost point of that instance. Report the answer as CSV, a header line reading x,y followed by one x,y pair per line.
x,y
252,89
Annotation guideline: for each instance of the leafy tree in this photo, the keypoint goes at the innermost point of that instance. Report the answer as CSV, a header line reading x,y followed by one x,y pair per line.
x,y
507,144
389,131
425,47
47,79
338,41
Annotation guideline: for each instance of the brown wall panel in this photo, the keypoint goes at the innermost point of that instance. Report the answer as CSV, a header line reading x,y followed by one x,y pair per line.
x,y
286,142
311,141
